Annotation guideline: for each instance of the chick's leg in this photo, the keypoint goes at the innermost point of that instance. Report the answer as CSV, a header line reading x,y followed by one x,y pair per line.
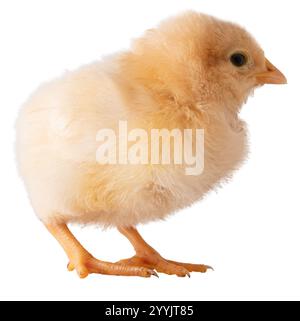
x,y
146,256
85,263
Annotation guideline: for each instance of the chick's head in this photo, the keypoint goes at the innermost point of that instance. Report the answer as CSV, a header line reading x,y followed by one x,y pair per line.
x,y
195,57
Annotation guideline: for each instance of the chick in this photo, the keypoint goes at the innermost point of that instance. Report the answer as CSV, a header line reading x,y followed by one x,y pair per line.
x,y
192,71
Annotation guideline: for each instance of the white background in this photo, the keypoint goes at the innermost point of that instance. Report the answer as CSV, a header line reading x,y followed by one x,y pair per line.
x,y
249,231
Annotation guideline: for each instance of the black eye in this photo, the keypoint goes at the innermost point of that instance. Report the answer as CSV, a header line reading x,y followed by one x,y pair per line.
x,y
238,59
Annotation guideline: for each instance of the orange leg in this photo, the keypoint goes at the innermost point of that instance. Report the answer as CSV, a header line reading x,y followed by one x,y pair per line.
x,y
147,257
84,263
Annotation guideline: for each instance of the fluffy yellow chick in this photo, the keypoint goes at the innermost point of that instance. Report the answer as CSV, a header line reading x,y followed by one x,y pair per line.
x,y
192,71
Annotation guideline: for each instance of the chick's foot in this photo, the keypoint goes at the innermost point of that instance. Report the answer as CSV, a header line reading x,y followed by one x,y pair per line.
x,y
88,265
147,257
155,262
84,263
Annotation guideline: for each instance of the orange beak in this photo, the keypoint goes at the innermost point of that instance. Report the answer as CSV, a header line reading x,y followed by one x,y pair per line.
x,y
271,76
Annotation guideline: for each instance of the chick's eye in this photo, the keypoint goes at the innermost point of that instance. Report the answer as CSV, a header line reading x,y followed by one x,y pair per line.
x,y
238,59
